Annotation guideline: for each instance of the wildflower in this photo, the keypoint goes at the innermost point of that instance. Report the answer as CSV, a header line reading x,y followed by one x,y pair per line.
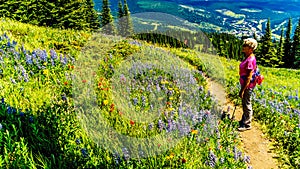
x,y
117,158
194,132
135,100
1,126
30,119
53,54
64,97
13,81
246,159
83,81
126,153
150,126
105,102
183,160
78,141
222,160
2,100
84,152
160,125
66,83
212,159
141,152
131,122
46,72
21,114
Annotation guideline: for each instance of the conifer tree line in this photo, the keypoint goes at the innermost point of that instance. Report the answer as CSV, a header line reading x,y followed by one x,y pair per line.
x,y
283,53
74,14
124,26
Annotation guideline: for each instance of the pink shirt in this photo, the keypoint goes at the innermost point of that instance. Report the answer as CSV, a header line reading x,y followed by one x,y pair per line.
x,y
250,64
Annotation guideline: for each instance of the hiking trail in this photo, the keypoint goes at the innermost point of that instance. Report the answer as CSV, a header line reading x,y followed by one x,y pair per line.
x,y
254,141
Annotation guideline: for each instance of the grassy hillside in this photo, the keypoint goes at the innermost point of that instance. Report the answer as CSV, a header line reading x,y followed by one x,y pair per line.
x,y
47,119
71,99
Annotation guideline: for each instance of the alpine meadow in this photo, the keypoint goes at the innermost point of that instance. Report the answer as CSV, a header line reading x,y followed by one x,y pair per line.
x,y
128,84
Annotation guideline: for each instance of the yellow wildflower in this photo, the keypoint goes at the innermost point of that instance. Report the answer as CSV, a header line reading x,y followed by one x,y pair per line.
x,y
105,102
46,72
194,131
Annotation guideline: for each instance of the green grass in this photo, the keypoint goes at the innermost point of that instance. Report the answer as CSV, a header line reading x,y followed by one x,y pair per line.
x,y
49,121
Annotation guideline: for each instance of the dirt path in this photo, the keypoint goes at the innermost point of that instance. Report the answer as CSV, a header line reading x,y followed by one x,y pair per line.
x,y
254,142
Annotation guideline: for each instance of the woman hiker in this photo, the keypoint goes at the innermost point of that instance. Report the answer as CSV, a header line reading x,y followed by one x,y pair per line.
x,y
246,70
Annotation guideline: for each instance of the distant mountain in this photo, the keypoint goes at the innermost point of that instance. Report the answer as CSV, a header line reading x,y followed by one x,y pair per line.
x,y
241,18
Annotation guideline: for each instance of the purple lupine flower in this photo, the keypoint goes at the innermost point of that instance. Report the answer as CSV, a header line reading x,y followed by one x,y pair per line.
x,y
246,159
141,152
235,153
2,100
9,110
135,100
52,62
150,126
13,81
5,36
157,87
126,153
78,141
222,160
169,126
14,43
64,97
30,119
84,152
22,114
28,59
53,54
160,125
143,100
43,55
117,158
8,44
239,154
212,159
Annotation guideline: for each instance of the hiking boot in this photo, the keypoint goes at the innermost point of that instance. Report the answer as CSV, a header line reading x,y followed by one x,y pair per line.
x,y
244,127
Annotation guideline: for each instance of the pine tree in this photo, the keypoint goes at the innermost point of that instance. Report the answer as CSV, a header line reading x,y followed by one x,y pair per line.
x,y
74,14
128,26
295,58
280,48
120,18
287,45
107,19
268,53
91,15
